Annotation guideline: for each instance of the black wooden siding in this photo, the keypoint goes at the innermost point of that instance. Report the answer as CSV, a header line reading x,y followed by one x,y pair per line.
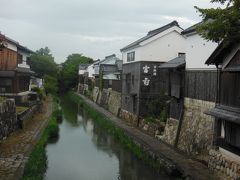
x,y
201,85
230,89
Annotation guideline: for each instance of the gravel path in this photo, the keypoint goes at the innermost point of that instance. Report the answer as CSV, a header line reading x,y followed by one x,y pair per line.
x,y
15,150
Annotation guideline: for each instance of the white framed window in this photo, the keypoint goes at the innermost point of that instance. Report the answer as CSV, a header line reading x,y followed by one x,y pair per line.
x,y
131,56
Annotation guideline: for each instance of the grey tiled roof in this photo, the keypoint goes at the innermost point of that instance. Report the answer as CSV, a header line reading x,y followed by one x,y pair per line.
x,y
151,34
23,48
83,66
24,70
222,113
174,63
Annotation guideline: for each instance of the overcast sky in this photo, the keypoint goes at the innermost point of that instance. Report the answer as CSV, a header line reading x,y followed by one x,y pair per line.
x,y
95,28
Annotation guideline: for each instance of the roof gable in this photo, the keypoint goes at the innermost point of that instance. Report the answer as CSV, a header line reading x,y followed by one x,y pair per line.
x,y
234,64
151,34
191,29
226,55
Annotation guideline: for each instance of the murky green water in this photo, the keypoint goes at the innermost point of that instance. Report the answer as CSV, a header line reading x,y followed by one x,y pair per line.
x,y
85,152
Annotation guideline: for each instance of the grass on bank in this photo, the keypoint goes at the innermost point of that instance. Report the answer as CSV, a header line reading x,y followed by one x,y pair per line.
x,y
2,99
20,109
36,165
118,133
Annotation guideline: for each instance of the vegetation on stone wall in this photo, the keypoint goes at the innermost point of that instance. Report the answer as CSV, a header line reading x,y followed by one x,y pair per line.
x,y
40,92
37,163
157,109
2,99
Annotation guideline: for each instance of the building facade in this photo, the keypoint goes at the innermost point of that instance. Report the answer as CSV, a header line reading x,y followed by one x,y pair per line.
x,y
227,109
15,73
142,77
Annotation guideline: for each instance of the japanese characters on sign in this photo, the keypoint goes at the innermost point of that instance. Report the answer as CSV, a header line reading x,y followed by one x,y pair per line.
x,y
146,81
147,73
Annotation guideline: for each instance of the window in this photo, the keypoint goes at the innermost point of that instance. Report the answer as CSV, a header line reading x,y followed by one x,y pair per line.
x,y
20,59
128,82
130,56
232,133
133,80
28,60
180,54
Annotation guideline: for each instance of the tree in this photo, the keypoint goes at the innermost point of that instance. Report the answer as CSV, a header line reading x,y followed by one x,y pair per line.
x,y
50,84
42,62
221,23
69,75
44,52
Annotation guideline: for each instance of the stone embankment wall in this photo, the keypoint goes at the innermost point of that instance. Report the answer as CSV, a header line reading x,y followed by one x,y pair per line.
x,y
170,131
107,98
226,167
26,116
129,117
8,118
114,102
197,131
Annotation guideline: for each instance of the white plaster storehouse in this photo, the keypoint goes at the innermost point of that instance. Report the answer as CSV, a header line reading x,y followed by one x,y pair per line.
x,y
159,45
141,59
197,50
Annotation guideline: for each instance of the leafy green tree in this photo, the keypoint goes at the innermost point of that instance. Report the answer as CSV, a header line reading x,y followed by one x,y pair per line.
x,y
44,52
221,23
69,74
50,84
42,62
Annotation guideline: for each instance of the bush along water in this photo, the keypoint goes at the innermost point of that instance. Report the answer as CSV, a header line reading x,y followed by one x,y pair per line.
x,y
36,165
118,133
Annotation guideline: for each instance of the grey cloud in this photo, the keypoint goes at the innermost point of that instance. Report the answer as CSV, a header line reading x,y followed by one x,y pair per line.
x,y
93,27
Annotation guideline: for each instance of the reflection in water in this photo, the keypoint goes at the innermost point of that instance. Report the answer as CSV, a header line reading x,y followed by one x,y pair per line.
x,y
86,152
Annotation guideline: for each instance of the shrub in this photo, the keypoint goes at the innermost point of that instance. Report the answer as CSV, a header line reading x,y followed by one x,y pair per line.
x,y
39,91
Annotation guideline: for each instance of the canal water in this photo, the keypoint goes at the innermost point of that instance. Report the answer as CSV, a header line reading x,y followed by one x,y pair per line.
x,y
85,152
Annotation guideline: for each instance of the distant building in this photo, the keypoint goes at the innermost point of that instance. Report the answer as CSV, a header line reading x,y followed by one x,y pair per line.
x,y
110,67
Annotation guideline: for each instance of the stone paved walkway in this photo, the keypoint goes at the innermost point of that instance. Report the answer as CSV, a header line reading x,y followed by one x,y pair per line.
x,y
190,168
15,150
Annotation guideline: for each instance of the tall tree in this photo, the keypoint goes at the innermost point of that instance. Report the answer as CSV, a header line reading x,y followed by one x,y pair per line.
x,y
69,75
222,23
44,51
42,62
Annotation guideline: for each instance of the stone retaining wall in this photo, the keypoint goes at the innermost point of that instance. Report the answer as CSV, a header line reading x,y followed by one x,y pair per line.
x,y
128,117
108,99
197,129
170,131
95,93
226,167
114,102
155,129
8,118
27,115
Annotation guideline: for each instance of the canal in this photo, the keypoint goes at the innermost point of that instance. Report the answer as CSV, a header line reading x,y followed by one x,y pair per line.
x,y
85,152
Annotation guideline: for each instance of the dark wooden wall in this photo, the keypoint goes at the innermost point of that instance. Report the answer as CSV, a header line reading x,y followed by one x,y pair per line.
x,y
230,89
8,59
201,85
